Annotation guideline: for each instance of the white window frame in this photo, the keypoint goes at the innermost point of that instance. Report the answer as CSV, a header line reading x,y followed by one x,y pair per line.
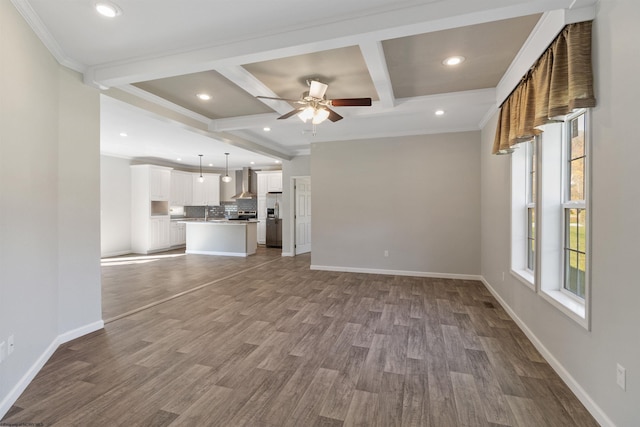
x,y
520,204
552,187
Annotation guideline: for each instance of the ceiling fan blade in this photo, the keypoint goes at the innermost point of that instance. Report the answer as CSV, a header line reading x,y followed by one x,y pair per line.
x,y
278,99
289,114
333,116
351,102
317,89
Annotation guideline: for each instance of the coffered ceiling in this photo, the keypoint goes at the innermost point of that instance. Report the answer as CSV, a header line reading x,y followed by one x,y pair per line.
x,y
154,58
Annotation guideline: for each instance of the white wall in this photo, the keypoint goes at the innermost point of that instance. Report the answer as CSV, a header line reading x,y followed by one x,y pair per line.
x,y
587,359
296,167
115,206
49,265
417,197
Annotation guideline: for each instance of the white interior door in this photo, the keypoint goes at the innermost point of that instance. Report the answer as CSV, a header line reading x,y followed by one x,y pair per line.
x,y
302,214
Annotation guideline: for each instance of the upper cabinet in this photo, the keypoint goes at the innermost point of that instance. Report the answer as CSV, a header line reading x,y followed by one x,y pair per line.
x,y
159,182
269,181
274,182
206,193
181,188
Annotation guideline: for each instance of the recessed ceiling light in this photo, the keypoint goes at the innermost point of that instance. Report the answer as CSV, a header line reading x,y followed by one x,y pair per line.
x,y
210,164
277,161
203,96
108,9
179,159
253,163
266,128
453,60
123,134
439,112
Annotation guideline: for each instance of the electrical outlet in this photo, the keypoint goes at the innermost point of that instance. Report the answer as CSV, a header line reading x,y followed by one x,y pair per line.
x,y
621,376
10,345
386,253
3,351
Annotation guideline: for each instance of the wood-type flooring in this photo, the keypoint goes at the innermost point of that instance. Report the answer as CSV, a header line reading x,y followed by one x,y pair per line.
x,y
281,345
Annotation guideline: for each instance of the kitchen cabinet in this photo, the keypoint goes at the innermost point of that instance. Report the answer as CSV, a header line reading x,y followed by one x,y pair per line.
x,y
178,233
181,188
150,188
159,230
159,183
268,181
206,193
274,182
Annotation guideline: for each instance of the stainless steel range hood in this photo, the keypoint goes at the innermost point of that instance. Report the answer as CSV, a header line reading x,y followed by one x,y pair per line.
x,y
245,192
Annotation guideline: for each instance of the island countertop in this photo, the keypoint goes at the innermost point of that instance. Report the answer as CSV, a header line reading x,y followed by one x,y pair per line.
x,y
221,237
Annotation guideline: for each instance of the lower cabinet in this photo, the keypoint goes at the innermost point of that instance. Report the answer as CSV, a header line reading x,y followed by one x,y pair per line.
x,y
159,234
178,234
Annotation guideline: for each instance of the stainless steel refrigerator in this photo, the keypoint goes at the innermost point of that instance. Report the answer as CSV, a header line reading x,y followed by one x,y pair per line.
x,y
274,220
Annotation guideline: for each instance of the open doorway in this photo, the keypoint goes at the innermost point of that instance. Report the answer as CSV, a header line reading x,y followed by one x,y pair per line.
x,y
302,215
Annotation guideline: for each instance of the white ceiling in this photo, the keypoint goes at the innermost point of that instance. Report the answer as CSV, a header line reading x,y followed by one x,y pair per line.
x,y
153,58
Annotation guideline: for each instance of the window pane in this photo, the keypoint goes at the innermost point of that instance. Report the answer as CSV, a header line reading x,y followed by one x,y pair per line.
x,y
577,137
581,230
576,177
582,264
575,251
531,169
531,238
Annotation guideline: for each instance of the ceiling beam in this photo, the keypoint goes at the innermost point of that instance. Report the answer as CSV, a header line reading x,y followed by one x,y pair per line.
x,y
373,54
349,32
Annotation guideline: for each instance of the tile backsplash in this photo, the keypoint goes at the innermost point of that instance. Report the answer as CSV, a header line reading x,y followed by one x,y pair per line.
x,y
226,209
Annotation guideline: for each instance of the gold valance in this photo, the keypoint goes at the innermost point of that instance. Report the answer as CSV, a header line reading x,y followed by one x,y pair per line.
x,y
558,83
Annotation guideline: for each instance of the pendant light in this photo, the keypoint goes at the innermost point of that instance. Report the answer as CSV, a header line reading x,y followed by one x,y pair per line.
x,y
201,179
226,177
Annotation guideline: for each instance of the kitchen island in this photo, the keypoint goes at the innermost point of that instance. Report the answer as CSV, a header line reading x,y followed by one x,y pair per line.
x,y
222,237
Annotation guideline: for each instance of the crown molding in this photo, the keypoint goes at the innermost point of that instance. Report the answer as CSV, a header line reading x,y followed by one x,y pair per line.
x,y
41,30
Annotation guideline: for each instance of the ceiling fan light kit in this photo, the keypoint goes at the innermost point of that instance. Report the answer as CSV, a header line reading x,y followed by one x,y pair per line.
x,y
315,106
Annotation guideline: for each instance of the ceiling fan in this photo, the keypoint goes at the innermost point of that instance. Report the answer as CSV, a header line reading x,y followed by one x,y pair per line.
x,y
314,106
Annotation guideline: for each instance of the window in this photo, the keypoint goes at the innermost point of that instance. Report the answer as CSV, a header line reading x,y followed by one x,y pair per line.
x,y
575,211
531,205
549,214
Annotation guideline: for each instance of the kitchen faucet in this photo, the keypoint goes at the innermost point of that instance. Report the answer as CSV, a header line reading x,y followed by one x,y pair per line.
x,y
206,212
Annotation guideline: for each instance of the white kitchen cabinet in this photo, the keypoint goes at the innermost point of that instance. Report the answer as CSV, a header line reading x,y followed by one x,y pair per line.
x,y
268,181
178,234
206,193
159,237
159,183
181,188
274,182
150,188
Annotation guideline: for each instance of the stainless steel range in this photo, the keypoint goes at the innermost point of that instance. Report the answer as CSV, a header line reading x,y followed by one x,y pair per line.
x,y
244,216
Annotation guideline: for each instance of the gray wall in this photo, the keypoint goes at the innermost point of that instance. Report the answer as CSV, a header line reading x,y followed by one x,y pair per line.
x,y
297,167
115,206
49,151
588,357
417,197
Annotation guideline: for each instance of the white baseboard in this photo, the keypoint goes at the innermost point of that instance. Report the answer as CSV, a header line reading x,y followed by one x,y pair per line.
x,y
78,332
571,382
289,254
236,254
116,253
31,373
397,272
